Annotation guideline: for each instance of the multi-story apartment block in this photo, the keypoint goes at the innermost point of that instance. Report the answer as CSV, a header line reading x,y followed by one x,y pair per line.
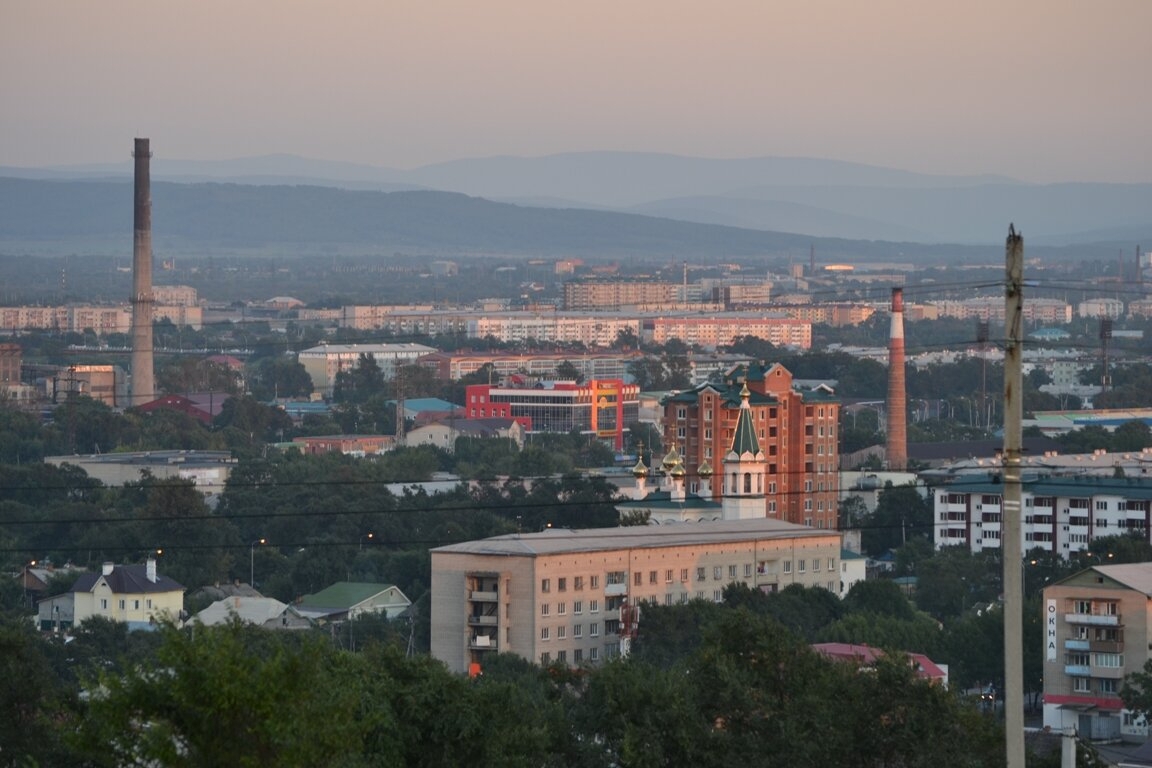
x,y
1096,632
175,295
1101,307
601,407
571,596
711,331
324,362
614,294
590,365
1061,515
992,308
796,431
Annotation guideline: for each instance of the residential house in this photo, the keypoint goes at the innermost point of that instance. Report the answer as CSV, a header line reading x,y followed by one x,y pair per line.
x,y
348,599
134,594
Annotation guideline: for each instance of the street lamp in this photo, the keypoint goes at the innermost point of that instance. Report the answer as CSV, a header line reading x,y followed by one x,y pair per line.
x,y
368,536
252,561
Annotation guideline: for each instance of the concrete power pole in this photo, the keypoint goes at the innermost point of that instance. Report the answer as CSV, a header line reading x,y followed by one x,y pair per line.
x,y
1010,543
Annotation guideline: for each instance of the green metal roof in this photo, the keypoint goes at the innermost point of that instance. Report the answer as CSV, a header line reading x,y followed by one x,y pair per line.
x,y
344,594
744,440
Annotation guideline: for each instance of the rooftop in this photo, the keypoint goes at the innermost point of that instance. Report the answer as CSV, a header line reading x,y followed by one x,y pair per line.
x,y
557,541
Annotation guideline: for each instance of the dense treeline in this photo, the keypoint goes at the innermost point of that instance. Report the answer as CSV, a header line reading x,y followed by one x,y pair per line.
x,y
706,684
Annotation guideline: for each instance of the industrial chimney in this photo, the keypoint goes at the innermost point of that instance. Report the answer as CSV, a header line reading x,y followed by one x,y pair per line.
x,y
897,448
143,380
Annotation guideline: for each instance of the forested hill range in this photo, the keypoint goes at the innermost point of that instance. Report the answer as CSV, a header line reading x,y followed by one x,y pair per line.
x,y
811,197
40,217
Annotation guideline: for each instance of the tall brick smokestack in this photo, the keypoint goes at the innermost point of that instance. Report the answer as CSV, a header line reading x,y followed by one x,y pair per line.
x,y
897,448
143,379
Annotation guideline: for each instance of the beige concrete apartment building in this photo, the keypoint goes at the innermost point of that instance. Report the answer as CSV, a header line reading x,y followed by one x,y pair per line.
x,y
570,596
1096,632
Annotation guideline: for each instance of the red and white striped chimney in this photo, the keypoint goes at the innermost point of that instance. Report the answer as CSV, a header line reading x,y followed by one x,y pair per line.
x,y
897,427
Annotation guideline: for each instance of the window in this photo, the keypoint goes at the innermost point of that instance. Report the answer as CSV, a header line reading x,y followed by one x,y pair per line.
x,y
148,603
681,413
578,655
594,629
637,579
103,604
577,607
787,566
593,606
561,632
717,573
594,582
577,630
1110,660
135,605
545,659
1080,685
668,598
545,609
617,577
578,583
121,605
593,654
731,572
562,585
561,657
683,598
815,565
668,576
545,585
747,570
717,595
700,574
545,633
831,563
561,609
652,577
683,574
801,565
1107,685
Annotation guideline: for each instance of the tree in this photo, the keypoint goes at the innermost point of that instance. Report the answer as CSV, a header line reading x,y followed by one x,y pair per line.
x,y
229,695
37,709
569,372
1132,436
901,512
279,376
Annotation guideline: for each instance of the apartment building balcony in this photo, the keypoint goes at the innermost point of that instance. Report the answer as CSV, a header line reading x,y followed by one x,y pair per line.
x,y
615,590
1112,673
483,643
482,621
1076,644
1106,646
1093,619
478,596
1077,670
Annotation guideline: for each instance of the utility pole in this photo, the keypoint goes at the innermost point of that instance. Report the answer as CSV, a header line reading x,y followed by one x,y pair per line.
x,y
1010,544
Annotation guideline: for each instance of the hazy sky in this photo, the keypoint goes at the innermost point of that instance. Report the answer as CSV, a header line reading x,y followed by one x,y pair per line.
x,y
1044,90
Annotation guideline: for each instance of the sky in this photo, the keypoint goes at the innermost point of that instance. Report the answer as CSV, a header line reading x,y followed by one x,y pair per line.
x,y
1040,90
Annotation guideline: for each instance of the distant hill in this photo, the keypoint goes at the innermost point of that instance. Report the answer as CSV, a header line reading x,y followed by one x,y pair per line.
x,y
63,217
816,197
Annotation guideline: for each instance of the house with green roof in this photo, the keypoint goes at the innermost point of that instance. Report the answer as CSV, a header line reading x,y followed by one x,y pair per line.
x,y
349,599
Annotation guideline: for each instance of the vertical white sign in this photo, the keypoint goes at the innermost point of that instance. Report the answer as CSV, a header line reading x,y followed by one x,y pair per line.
x,y
1050,639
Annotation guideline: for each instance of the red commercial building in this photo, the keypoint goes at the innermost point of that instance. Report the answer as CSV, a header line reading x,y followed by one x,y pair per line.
x,y
602,407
